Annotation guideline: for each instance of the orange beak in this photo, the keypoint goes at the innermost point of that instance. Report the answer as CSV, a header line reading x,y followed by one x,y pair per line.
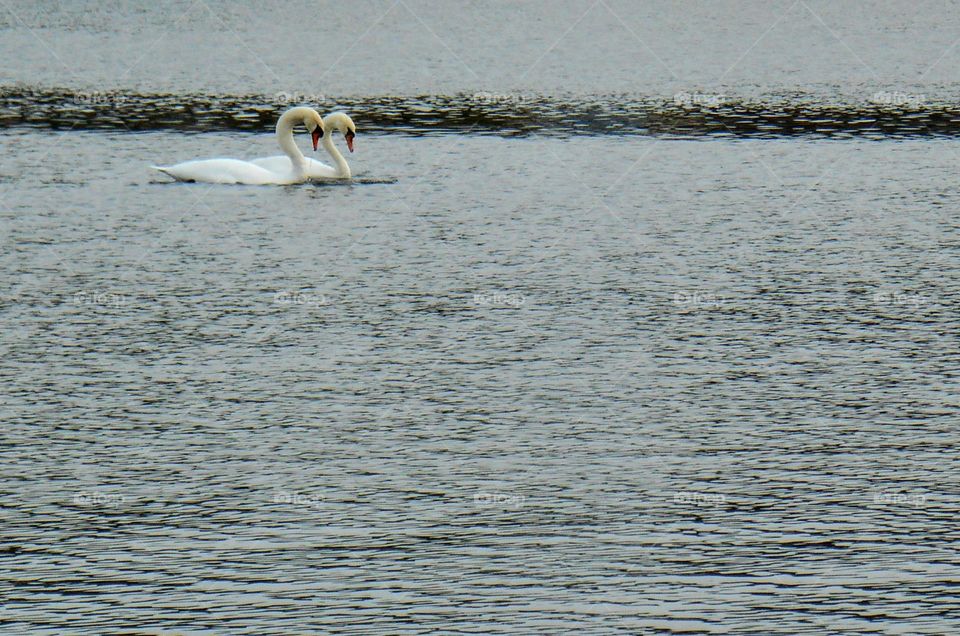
x,y
349,137
316,135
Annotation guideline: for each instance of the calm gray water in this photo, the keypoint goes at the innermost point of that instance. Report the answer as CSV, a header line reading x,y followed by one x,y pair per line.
x,y
536,384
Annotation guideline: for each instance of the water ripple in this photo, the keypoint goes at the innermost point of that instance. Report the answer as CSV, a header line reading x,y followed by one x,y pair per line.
x,y
483,113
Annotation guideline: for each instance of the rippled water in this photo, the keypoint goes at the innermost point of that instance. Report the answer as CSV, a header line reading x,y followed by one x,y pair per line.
x,y
685,114
537,383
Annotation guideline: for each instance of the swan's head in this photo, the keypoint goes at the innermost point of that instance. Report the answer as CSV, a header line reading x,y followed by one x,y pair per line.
x,y
314,124
343,123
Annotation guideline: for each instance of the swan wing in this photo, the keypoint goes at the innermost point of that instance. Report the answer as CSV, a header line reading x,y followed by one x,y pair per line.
x,y
227,171
278,164
281,165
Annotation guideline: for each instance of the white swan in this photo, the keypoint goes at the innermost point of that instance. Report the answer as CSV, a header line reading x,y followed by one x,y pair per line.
x,y
316,169
246,172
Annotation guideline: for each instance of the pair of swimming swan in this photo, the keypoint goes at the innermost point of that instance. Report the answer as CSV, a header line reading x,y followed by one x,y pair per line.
x,y
286,169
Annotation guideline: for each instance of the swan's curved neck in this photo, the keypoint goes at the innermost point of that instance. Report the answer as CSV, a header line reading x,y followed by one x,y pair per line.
x,y
343,169
285,138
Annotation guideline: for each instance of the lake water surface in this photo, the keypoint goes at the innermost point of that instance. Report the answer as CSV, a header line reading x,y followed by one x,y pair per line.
x,y
538,376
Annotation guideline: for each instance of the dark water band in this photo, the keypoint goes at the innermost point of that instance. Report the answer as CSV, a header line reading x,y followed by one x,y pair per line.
x,y
482,113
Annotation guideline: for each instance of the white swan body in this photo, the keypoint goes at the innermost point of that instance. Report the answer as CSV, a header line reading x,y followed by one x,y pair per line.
x,y
246,172
316,169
